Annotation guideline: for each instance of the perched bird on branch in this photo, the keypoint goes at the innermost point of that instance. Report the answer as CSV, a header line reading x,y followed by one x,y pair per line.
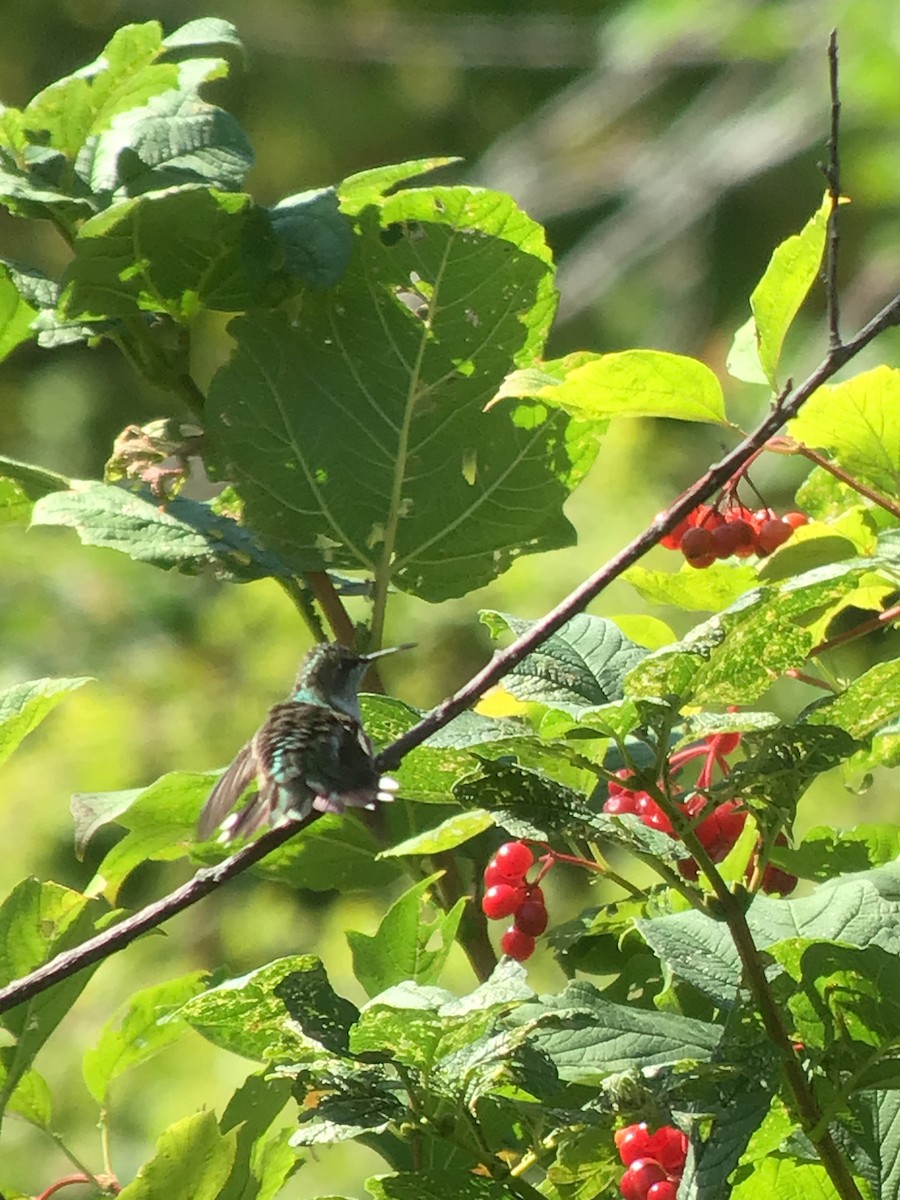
x,y
311,752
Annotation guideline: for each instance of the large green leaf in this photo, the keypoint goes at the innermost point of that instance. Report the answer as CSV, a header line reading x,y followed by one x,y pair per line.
x,y
824,852
123,77
861,910
736,655
580,666
633,383
776,299
695,590
858,423
355,430
16,314
169,252
877,1129
588,1038
261,1167
264,1015
192,1162
185,534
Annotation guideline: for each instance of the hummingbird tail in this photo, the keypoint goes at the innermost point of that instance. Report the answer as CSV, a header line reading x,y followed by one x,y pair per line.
x,y
336,802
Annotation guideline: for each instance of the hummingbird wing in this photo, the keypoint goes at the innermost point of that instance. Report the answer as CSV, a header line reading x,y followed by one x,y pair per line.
x,y
229,788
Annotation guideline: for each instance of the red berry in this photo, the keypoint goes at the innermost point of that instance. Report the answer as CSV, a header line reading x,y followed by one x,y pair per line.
x,y
726,540
697,543
531,918
513,859
669,1146
533,892
666,1189
795,519
516,944
688,868
502,900
726,743
631,1142
651,814
776,882
700,564
623,802
774,534
760,517
640,1177
614,786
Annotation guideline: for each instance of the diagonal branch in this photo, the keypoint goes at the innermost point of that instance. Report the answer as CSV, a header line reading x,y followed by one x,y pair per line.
x,y
786,406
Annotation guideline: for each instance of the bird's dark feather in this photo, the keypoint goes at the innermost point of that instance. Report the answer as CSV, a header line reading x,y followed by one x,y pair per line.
x,y
300,752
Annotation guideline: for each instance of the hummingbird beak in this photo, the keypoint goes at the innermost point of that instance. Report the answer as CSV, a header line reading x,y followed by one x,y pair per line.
x,y
387,650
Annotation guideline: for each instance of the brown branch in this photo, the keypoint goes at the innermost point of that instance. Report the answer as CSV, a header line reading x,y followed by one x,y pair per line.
x,y
210,878
832,172
873,624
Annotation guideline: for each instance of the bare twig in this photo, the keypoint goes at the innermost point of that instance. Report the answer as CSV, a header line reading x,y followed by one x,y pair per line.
x,y
211,878
832,172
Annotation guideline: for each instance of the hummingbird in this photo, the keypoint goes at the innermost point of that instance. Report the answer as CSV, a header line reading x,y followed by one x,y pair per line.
x,y
310,753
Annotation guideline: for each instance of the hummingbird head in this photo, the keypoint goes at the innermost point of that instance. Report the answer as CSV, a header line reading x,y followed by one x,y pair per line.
x,y
330,675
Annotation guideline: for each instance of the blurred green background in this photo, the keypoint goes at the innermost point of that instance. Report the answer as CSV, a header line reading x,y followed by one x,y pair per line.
x,y
668,146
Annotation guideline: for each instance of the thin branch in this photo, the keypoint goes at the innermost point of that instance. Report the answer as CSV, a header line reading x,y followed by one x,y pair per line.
x,y
211,878
785,445
832,172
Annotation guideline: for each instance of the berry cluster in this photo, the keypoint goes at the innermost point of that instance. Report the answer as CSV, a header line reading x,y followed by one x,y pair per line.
x,y
707,534
509,894
718,829
654,1161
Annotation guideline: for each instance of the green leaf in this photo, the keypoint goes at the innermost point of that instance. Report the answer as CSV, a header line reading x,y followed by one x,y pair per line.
x,y
397,951
169,252
742,361
860,910
316,237
124,76
335,853
450,833
16,314
250,1015
846,998
691,589
736,655
204,33
329,422
144,1025
175,141
638,383
580,666
877,1126
857,422
588,1038
261,1166
362,1103
428,773
825,852
24,706
782,1177
369,187
449,1184
870,701
777,297
38,921
161,821
192,1162
32,1099
184,534
319,1012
